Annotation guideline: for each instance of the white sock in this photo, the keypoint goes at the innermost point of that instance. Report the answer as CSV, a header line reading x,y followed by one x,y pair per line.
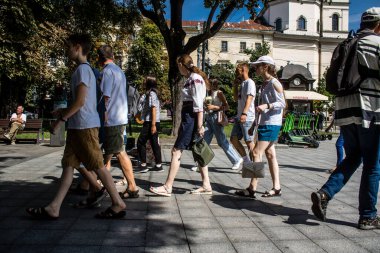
x,y
158,165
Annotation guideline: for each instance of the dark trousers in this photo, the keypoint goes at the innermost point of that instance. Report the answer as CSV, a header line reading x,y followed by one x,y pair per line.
x,y
146,135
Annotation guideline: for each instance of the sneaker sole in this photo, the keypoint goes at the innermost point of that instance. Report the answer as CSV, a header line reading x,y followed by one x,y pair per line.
x,y
316,207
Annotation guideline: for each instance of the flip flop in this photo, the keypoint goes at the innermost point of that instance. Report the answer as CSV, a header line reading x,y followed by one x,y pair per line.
x,y
201,191
161,190
269,194
110,214
248,193
40,213
131,194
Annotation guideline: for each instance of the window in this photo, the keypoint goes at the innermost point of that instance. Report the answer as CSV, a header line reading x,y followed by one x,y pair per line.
x,y
335,22
224,46
301,23
243,46
278,24
223,63
257,46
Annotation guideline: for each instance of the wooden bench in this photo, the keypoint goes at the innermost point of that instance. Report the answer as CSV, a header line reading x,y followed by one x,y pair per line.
x,y
33,126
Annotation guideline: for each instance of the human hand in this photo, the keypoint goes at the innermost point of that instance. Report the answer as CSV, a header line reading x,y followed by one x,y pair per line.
x,y
201,131
262,107
243,118
210,107
153,129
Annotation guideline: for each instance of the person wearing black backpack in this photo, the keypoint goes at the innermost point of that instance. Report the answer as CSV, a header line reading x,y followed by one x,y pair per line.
x,y
358,115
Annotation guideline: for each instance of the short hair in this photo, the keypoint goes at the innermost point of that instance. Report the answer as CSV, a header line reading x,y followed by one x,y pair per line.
x,y
82,39
105,52
22,107
369,25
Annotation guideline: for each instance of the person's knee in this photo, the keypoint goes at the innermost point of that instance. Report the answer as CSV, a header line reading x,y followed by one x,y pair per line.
x,y
269,154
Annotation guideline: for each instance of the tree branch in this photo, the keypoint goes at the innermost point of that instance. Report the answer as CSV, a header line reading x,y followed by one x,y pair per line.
x,y
211,16
196,40
146,13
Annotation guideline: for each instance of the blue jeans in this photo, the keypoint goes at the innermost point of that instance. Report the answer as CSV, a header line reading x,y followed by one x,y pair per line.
x,y
361,145
339,149
214,128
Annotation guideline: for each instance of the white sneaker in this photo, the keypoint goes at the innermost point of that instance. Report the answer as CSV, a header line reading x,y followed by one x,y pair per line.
x,y
195,168
237,165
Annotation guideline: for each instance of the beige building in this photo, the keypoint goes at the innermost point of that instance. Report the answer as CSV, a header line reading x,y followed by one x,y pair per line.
x,y
292,29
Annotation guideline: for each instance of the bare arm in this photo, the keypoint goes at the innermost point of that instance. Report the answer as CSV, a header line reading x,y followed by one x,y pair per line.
x,y
153,119
74,108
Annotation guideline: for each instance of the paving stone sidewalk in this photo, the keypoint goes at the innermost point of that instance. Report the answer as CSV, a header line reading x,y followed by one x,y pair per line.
x,y
184,222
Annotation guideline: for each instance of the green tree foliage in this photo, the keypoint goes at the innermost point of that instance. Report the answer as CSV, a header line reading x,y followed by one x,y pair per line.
x,y
32,35
322,90
147,57
225,75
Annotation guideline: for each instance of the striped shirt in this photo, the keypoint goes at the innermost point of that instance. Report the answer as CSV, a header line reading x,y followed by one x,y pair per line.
x,y
363,107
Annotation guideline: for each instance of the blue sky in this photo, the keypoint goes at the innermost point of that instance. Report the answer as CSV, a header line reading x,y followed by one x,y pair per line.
x,y
194,10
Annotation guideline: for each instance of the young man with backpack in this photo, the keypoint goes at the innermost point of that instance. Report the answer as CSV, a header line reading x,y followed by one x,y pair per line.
x,y
358,115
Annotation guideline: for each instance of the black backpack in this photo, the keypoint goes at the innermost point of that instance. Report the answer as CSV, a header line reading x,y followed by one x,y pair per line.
x,y
343,77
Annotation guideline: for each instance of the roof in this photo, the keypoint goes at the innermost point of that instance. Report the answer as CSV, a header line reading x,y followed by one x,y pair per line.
x,y
243,25
304,95
291,70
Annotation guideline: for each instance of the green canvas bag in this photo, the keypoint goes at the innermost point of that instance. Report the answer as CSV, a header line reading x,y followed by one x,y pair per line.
x,y
202,152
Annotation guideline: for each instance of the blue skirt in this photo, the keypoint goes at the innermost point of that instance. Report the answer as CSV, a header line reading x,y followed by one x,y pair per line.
x,y
187,128
268,132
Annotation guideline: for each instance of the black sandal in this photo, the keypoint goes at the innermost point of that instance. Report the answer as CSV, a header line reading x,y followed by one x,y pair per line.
x,y
249,193
268,194
131,194
40,213
110,214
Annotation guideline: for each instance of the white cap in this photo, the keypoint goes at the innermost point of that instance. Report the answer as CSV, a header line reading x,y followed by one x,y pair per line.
x,y
264,59
371,15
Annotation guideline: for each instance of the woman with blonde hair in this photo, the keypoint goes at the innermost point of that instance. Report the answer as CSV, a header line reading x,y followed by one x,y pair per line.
x,y
193,94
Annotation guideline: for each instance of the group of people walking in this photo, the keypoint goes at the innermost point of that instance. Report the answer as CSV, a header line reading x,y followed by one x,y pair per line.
x,y
198,118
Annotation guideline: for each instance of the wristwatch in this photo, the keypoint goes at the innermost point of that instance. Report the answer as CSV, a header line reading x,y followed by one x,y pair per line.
x,y
243,113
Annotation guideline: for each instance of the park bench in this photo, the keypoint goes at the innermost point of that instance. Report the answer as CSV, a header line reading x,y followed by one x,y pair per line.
x,y
33,126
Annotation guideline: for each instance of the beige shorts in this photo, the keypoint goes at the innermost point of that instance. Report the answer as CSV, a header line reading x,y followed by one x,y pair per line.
x,y
82,146
114,139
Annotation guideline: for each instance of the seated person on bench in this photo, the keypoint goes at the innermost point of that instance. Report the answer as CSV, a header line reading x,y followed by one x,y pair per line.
x,y
17,122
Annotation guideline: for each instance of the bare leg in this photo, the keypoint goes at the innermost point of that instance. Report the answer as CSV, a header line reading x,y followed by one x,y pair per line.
x,y
91,178
126,167
106,178
54,206
174,166
270,153
258,152
238,146
205,179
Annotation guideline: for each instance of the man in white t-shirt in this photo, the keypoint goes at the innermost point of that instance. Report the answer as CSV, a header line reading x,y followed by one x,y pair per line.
x,y
17,120
113,85
244,93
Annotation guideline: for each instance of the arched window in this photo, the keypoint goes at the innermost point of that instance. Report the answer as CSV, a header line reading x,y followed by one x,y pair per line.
x,y
301,23
278,24
335,22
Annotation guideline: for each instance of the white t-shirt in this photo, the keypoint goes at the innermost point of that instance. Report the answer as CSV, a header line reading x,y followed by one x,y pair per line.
x,y
195,90
23,117
114,85
247,88
87,116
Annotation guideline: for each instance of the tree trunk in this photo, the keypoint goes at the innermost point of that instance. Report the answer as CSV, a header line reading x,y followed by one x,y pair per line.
x,y
175,88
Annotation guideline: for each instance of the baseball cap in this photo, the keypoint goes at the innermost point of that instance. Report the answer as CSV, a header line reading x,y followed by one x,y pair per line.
x,y
264,59
371,15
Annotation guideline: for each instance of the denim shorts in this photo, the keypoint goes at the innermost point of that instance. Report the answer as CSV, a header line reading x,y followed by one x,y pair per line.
x,y
268,132
241,130
186,129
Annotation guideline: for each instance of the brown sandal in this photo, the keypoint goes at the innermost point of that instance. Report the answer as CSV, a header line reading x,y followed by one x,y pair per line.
x,y
272,193
131,194
249,193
